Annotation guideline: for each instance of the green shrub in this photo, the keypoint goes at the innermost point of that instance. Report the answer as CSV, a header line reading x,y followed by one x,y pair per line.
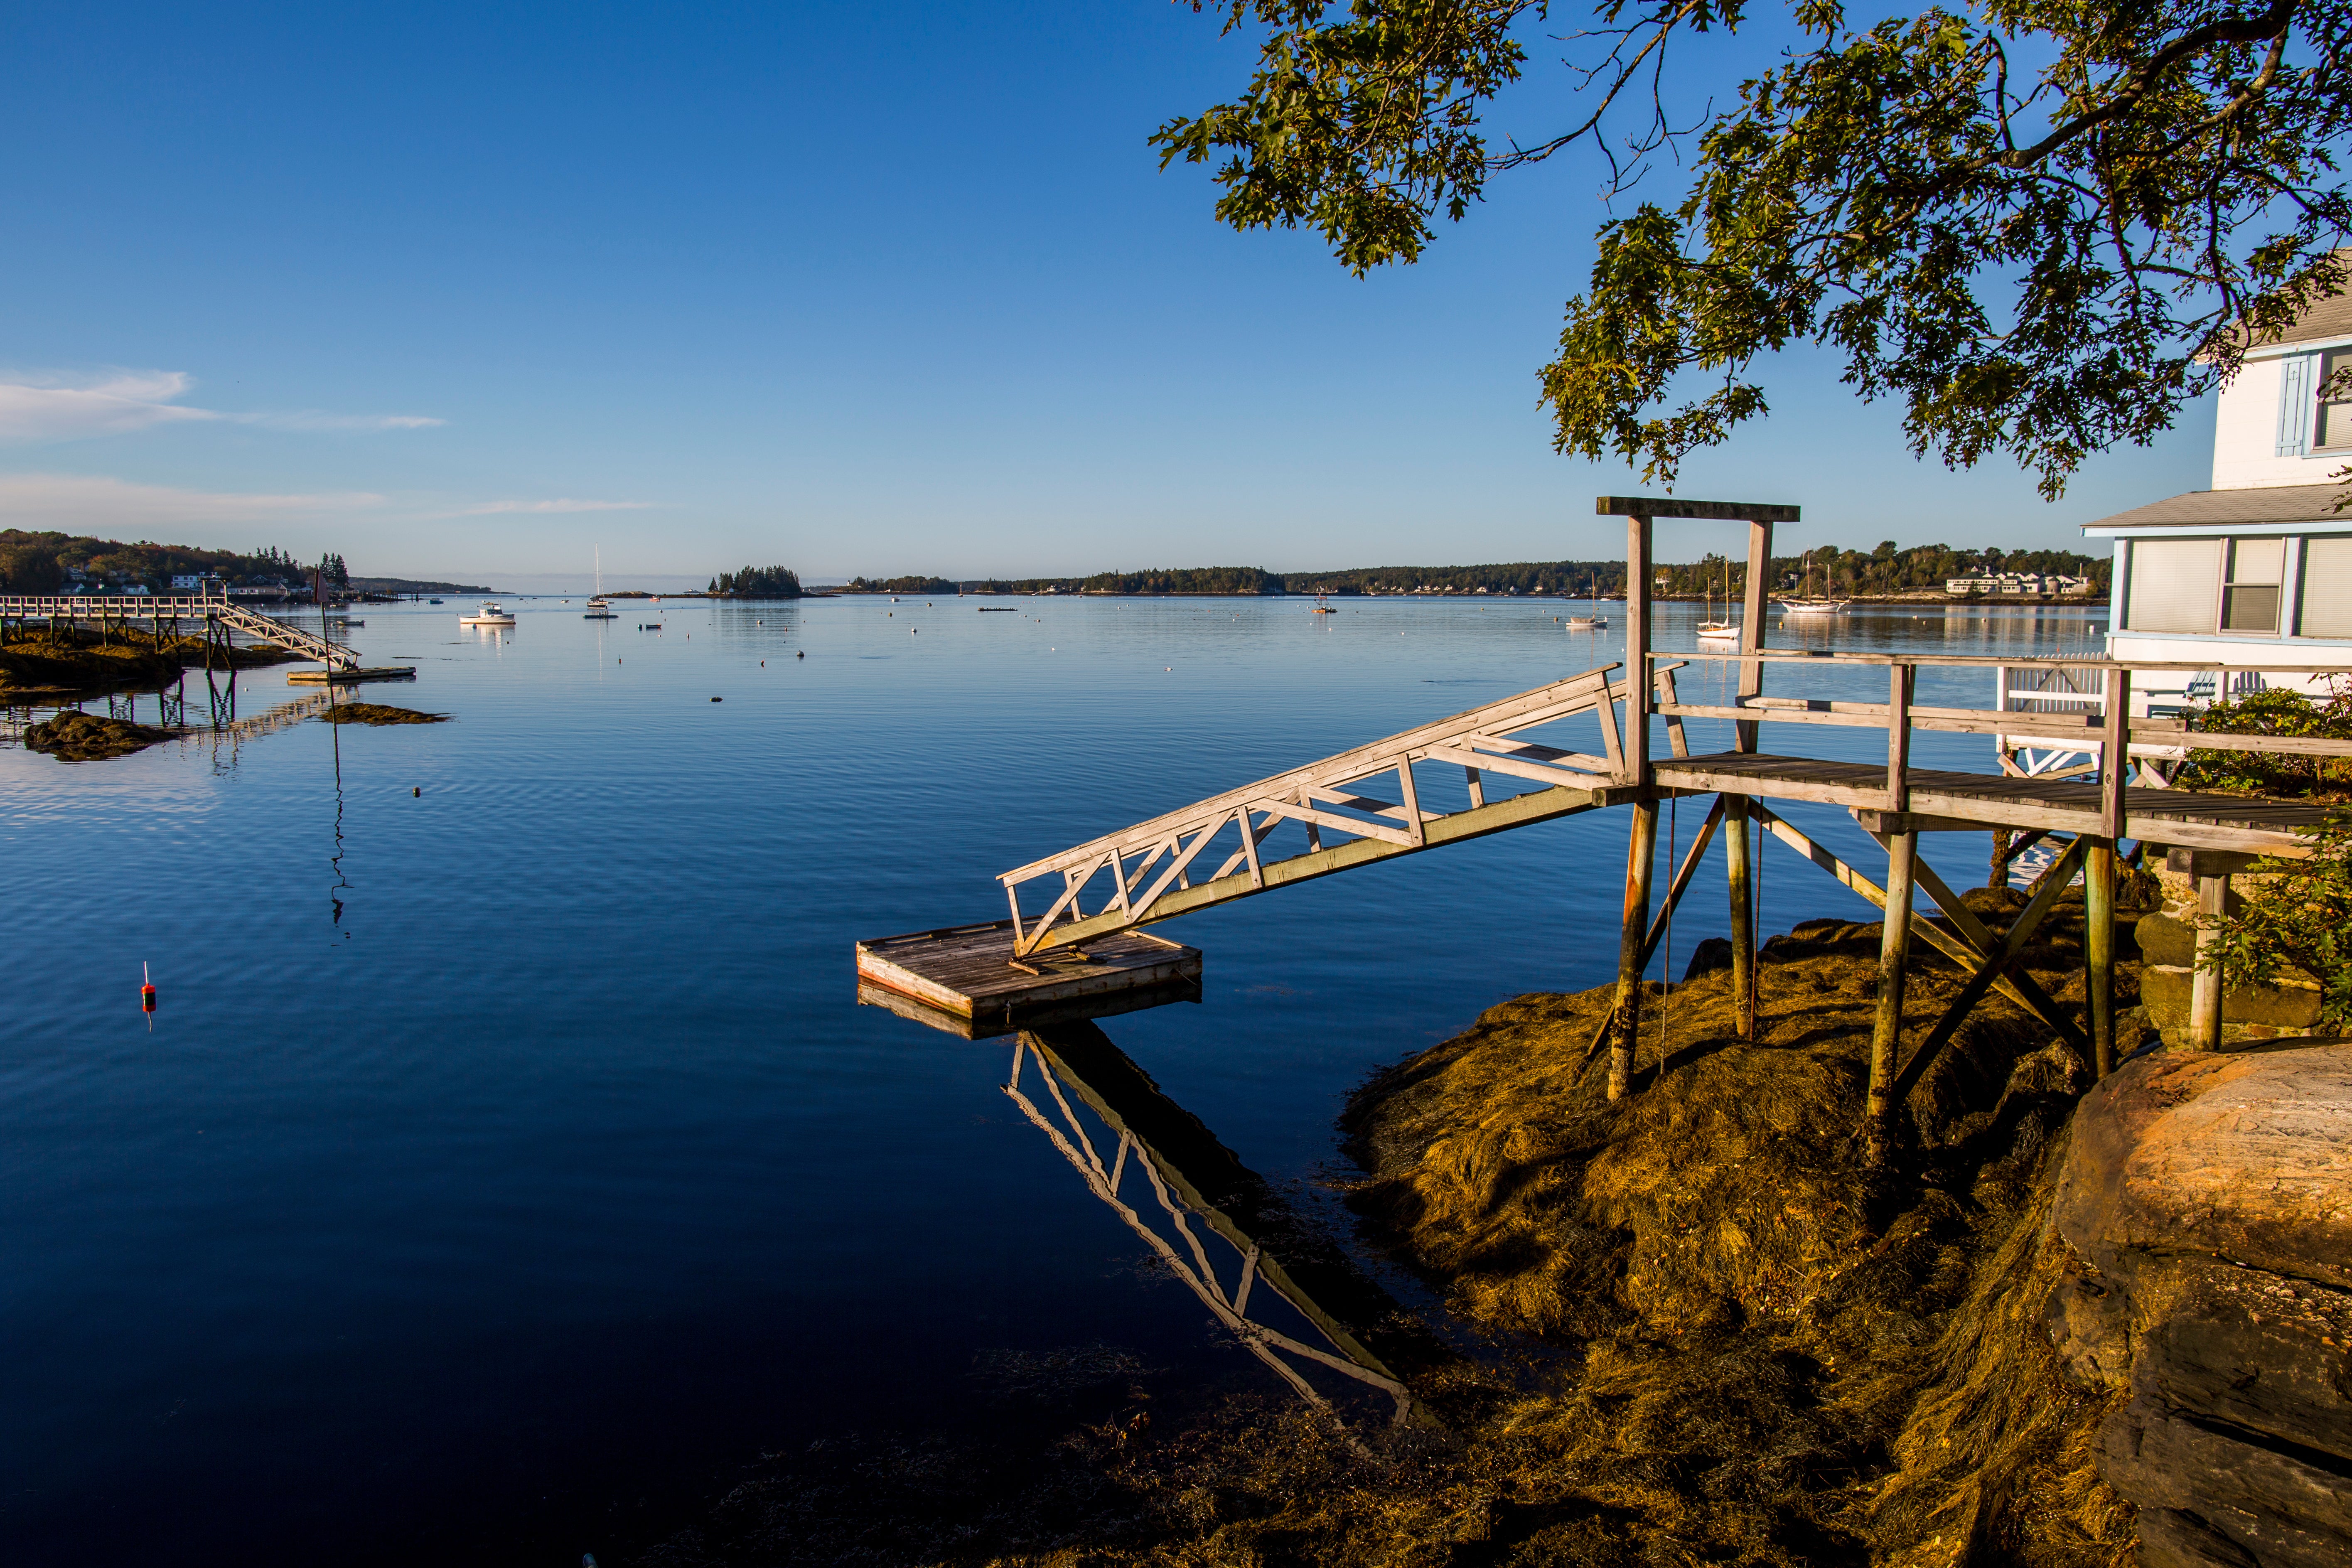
x,y
2275,712
2296,922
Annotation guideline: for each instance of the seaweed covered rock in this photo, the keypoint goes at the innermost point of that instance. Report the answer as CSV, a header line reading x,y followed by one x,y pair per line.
x,y
2206,1211
1779,1354
378,713
88,738
71,658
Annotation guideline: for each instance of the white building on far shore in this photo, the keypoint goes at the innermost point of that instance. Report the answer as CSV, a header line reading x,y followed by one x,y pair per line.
x,y
2256,571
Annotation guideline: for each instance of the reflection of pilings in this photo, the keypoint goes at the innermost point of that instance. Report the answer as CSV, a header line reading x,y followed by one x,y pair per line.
x,y
278,718
1159,1134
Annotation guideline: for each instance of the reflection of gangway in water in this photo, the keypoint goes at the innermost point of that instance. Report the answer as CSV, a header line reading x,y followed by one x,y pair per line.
x,y
16,721
1192,1176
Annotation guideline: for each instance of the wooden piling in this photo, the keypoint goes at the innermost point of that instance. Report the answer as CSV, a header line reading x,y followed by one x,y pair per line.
x,y
2099,948
1743,912
2205,986
1894,960
1625,1018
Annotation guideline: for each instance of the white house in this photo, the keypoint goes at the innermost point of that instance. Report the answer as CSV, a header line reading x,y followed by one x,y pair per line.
x,y
2258,570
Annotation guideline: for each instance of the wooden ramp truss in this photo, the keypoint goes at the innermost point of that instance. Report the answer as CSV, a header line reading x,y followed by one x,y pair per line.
x,y
1215,849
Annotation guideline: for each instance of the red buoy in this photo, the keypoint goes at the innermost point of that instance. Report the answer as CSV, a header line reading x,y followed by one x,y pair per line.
x,y
146,991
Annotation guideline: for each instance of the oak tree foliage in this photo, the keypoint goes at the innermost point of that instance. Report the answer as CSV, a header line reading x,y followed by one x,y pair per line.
x,y
2040,225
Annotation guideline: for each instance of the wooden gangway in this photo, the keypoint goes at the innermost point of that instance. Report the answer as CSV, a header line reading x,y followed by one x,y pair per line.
x,y
212,610
1481,771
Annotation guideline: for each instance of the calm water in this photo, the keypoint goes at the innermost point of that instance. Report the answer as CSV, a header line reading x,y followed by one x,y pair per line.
x,y
509,1161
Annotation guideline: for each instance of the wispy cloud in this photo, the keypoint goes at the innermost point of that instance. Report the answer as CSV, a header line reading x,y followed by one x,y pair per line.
x,y
115,403
37,409
486,509
85,503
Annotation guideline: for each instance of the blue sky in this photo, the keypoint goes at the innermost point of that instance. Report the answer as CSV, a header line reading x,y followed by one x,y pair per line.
x,y
461,291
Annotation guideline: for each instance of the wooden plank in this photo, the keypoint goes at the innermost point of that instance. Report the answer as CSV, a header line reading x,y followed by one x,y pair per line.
x,y
1510,766
1707,510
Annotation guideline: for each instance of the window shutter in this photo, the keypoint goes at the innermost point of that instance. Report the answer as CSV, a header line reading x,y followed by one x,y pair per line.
x,y
2297,387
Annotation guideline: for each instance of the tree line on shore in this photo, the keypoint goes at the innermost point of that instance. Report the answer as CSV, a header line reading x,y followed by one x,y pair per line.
x,y
48,561
1887,569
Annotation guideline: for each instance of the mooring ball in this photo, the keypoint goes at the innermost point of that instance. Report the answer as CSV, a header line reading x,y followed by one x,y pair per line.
x,y
717,699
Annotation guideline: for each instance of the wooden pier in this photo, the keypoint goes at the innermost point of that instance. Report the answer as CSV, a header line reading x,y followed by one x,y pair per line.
x,y
1600,729
216,613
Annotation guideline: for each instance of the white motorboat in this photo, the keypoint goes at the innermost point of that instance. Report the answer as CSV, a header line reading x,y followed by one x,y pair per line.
x,y
1588,623
490,615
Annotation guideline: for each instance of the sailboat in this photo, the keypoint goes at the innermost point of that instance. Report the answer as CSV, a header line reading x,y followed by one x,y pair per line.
x,y
1589,623
1320,607
1810,606
599,608
1711,629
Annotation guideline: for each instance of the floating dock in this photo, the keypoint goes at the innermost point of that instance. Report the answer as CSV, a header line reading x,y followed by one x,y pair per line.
x,y
966,980
346,677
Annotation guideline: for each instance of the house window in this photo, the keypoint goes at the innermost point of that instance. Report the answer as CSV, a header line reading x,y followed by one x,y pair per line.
x,y
2326,587
2333,429
2250,593
2173,584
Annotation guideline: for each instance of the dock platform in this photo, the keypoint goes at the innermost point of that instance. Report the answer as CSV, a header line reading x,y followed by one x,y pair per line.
x,y
966,978
346,677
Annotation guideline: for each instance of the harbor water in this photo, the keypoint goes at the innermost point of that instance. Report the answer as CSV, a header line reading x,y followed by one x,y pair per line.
x,y
509,1162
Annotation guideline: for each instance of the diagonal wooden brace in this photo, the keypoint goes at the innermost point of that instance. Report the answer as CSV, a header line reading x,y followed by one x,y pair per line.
x,y
1989,970
1682,879
2020,987
1942,941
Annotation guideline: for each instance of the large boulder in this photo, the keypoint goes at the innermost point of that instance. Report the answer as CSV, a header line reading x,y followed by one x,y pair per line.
x,y
2206,1205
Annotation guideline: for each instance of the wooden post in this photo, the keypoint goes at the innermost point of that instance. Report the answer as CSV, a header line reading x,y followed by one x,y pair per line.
x,y
1886,1033
1743,913
1637,660
1898,737
2115,755
2205,988
1625,1019
2099,949
1997,874
1751,628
